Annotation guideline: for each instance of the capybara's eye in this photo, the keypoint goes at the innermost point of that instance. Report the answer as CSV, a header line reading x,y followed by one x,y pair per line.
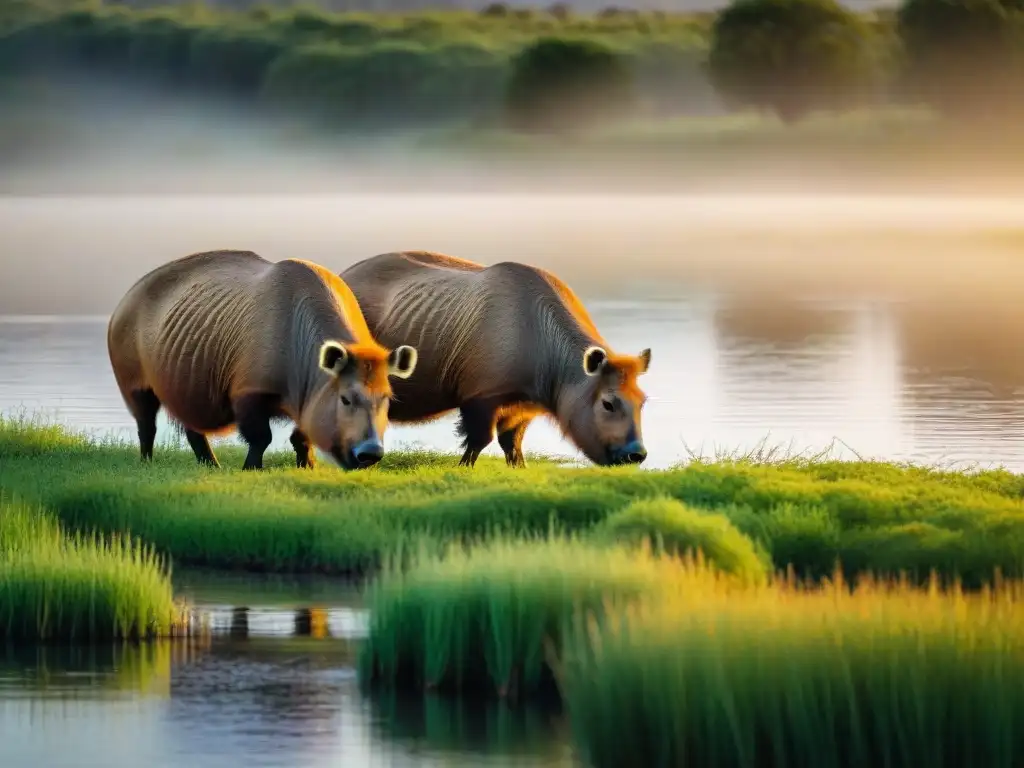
x,y
345,401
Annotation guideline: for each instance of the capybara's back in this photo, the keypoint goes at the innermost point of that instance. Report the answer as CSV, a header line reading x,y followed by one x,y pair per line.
x,y
156,332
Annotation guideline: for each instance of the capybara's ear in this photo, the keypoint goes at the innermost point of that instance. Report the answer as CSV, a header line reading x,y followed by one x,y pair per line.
x,y
645,359
402,361
333,357
593,359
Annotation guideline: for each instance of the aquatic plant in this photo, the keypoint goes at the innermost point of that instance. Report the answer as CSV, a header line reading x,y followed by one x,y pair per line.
x,y
78,588
485,619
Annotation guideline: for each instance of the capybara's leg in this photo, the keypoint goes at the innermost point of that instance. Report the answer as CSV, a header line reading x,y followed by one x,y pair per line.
x,y
510,438
145,406
252,415
201,448
476,425
303,449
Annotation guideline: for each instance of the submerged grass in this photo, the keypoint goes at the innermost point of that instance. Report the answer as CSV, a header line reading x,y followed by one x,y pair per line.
x,y
784,675
869,516
77,588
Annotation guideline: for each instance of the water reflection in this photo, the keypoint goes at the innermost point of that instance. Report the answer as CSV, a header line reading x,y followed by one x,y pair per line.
x,y
435,723
250,693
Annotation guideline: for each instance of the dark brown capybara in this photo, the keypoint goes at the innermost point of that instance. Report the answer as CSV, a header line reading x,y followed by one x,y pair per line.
x,y
502,344
225,339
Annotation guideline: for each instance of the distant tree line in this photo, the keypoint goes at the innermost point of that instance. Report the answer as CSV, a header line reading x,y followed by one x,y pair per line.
x,y
544,70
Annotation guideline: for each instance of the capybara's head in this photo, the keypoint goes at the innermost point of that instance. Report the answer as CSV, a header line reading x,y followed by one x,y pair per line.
x,y
604,420
347,416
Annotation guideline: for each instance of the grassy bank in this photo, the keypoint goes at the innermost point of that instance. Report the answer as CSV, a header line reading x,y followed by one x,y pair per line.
x,y
785,676
666,663
72,588
870,516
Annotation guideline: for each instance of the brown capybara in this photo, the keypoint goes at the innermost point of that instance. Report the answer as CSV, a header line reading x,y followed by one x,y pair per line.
x,y
227,338
503,344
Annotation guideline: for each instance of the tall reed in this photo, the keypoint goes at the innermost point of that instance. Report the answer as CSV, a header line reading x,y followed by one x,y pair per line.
x,y
488,618
881,675
78,588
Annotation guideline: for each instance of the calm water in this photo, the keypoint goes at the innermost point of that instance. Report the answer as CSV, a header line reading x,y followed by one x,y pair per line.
x,y
269,688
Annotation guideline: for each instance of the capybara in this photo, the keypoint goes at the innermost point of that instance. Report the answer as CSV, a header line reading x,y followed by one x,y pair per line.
x,y
502,344
228,338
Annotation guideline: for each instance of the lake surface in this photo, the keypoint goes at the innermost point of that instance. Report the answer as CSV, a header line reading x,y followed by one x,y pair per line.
x,y
269,687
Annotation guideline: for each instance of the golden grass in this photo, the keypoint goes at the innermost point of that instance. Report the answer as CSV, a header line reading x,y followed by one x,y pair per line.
x,y
706,673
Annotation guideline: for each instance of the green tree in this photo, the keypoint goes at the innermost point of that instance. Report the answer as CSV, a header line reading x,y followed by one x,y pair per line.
x,y
559,84
790,56
963,57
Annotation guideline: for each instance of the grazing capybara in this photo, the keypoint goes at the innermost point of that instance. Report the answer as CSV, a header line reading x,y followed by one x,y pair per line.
x,y
503,344
228,338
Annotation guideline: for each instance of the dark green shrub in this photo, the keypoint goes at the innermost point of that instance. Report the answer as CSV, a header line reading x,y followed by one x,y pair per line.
x,y
233,60
495,10
396,81
79,38
352,32
161,48
560,11
560,84
790,56
963,56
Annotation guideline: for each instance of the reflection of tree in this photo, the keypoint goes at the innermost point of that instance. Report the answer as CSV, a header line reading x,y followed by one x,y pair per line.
x,y
451,724
78,671
976,345
777,322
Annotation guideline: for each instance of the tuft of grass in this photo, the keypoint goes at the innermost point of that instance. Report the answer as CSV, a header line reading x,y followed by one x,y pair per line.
x,y
485,619
807,514
56,587
677,529
790,675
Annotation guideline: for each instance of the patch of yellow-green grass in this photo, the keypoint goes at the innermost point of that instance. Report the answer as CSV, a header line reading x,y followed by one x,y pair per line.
x,y
677,529
56,587
487,619
788,676
869,516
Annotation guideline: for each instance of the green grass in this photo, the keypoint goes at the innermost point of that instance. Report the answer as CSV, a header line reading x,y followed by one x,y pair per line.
x,y
805,514
485,620
678,529
667,663
781,676
75,588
